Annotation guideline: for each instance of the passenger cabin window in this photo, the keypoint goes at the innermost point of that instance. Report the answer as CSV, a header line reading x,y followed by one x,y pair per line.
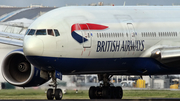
x,y
50,32
56,32
41,32
31,32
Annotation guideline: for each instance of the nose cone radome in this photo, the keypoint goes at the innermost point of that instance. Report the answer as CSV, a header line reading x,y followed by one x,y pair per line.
x,y
32,46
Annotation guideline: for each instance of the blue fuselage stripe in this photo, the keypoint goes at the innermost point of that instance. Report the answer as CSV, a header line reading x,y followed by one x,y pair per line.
x,y
133,66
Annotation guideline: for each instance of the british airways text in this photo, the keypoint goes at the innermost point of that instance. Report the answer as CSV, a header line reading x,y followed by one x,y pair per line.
x,y
116,46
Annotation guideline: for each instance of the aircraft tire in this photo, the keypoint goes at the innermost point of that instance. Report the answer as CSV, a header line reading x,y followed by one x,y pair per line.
x,y
92,91
113,92
98,89
106,92
58,94
119,92
50,95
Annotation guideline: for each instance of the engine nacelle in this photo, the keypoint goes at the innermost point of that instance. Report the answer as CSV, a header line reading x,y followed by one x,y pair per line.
x,y
19,72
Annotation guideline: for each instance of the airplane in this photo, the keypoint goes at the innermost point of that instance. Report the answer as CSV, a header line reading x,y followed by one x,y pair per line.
x,y
102,40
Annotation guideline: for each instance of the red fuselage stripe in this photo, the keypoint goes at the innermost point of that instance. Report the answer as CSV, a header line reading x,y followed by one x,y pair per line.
x,y
87,26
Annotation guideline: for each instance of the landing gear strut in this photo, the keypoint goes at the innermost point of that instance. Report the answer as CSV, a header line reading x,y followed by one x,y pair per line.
x,y
105,90
51,93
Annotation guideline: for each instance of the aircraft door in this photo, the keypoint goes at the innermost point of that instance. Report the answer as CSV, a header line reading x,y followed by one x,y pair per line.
x,y
132,35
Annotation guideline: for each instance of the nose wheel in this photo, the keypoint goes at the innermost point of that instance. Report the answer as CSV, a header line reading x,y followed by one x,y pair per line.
x,y
58,94
55,92
50,95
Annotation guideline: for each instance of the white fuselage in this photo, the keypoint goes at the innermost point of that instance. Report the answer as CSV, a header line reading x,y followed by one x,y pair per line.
x,y
131,32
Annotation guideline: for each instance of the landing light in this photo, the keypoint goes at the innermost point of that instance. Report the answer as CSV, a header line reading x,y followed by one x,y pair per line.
x,y
158,52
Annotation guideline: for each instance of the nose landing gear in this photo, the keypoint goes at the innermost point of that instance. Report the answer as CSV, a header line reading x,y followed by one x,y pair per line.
x,y
105,90
51,93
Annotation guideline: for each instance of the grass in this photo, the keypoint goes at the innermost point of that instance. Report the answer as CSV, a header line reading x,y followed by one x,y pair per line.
x,y
22,94
83,94
144,94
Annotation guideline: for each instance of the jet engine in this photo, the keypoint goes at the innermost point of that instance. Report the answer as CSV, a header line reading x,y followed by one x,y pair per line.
x,y
19,72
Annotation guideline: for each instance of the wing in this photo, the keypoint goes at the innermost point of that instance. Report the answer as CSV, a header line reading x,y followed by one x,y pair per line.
x,y
169,56
11,38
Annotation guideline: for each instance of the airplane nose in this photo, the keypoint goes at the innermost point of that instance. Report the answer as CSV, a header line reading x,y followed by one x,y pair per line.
x,y
32,46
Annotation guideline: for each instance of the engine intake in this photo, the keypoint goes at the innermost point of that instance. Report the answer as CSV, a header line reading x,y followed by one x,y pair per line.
x,y
19,72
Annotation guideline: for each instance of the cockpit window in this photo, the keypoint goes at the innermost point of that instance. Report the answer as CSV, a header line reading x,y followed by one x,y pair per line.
x,y
27,31
41,32
50,32
56,32
31,32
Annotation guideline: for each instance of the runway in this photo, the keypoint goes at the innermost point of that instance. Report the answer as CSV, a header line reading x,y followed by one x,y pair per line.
x,y
153,99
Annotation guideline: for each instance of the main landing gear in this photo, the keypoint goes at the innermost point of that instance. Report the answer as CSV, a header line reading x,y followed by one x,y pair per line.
x,y
105,90
55,92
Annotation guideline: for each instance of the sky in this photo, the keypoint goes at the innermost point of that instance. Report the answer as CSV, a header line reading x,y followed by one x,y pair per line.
x,y
60,3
